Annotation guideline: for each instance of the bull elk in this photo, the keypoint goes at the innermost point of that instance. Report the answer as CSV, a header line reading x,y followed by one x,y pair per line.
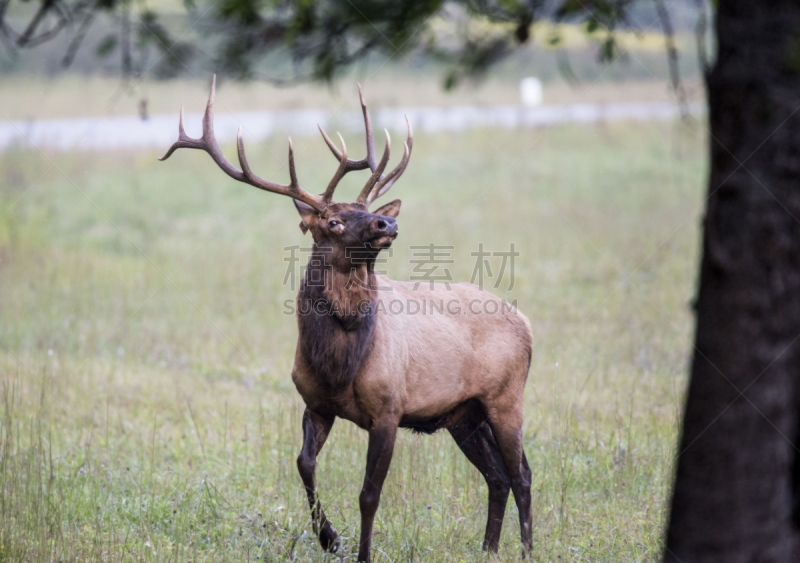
x,y
356,360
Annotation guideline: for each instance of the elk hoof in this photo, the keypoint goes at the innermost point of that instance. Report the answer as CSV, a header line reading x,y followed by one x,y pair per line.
x,y
329,539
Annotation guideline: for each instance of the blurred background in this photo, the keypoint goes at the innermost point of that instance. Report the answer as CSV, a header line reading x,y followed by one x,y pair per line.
x,y
145,346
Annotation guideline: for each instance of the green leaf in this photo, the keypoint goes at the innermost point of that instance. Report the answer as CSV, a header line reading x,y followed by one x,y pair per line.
x,y
607,49
106,46
451,81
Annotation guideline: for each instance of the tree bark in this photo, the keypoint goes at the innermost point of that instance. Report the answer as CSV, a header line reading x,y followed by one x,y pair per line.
x,y
735,493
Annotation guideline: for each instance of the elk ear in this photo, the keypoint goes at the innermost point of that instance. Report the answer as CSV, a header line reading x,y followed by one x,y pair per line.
x,y
306,213
391,209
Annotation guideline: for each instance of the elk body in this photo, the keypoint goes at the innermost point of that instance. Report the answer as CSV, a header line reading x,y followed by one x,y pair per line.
x,y
457,368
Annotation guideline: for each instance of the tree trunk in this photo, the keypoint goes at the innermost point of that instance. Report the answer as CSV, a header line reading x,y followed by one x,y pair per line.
x,y
735,493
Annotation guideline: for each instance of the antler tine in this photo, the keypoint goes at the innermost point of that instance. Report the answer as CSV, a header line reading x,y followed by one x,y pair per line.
x,y
182,138
292,171
351,164
363,197
293,189
377,185
208,143
368,161
340,172
387,181
370,158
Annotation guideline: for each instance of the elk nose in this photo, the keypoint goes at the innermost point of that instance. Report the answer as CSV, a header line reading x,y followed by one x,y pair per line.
x,y
385,225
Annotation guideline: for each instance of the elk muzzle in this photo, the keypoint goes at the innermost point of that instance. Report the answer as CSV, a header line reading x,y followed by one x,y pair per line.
x,y
382,231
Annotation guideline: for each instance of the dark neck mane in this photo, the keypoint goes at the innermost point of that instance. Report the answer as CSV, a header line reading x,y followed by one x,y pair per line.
x,y
336,318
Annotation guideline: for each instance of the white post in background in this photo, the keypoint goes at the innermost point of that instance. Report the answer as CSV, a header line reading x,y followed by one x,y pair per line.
x,y
530,91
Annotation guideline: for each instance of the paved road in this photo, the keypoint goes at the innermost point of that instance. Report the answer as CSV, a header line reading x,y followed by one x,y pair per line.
x,y
159,131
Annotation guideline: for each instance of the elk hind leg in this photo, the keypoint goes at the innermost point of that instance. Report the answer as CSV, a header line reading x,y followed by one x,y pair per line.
x,y
507,430
473,436
315,431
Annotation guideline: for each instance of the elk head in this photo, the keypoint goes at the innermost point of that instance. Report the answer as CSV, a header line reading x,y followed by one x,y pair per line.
x,y
348,231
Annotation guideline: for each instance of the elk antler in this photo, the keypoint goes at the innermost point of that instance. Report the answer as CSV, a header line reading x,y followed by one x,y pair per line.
x,y
208,143
378,184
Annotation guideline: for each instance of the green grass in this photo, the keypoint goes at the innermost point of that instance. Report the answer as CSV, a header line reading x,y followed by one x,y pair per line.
x,y
147,408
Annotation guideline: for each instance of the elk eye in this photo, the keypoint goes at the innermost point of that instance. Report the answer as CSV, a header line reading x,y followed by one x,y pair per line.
x,y
335,226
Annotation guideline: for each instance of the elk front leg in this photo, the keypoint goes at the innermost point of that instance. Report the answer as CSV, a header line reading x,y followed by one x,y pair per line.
x,y
379,457
315,432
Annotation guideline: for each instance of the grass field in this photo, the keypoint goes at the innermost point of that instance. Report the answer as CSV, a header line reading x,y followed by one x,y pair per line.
x,y
147,408
72,95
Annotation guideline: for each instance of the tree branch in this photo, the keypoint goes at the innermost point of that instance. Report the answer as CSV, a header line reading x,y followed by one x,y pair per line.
x,y
700,35
77,40
672,58
26,36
